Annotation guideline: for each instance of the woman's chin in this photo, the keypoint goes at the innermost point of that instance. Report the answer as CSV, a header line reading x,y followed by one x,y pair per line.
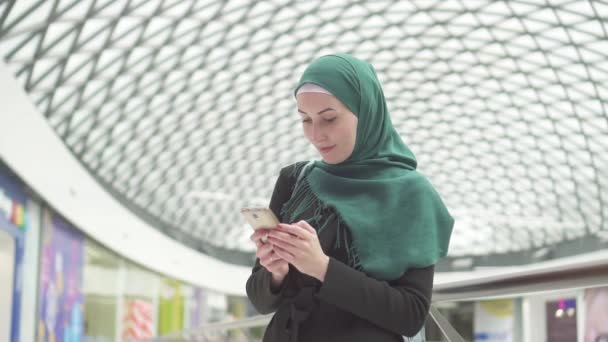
x,y
332,161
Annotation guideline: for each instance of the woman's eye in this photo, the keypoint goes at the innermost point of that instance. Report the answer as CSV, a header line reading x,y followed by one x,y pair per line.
x,y
330,120
306,120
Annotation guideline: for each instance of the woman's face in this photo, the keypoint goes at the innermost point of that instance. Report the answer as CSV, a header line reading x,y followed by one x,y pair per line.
x,y
328,125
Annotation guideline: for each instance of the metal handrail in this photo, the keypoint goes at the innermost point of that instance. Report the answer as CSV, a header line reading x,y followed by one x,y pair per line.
x,y
446,328
518,283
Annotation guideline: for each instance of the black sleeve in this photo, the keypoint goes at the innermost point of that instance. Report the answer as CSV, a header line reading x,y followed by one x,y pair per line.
x,y
401,306
258,285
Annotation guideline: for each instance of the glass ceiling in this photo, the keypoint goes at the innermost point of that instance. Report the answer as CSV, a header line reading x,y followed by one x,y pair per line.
x,y
183,110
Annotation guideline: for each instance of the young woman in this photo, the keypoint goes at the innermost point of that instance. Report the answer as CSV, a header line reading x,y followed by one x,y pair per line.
x,y
354,260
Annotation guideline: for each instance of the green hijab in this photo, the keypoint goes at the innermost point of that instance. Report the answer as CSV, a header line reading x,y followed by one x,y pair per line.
x,y
395,218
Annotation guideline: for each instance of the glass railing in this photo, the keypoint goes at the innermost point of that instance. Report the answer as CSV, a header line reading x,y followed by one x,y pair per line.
x,y
241,331
572,274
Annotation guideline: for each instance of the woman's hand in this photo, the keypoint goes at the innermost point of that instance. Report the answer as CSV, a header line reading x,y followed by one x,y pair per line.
x,y
299,245
268,258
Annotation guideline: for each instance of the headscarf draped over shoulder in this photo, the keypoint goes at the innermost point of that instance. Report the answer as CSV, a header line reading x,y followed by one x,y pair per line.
x,y
395,217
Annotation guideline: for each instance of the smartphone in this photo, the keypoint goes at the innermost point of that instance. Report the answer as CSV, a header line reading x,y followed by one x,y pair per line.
x,y
260,218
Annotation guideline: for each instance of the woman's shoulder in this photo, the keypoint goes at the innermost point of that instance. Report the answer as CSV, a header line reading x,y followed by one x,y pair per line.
x,y
289,174
292,169
419,180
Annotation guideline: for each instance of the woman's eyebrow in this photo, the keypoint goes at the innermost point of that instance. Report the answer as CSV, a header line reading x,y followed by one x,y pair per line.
x,y
321,112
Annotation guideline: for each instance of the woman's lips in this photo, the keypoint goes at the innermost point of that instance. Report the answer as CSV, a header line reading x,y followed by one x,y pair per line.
x,y
326,149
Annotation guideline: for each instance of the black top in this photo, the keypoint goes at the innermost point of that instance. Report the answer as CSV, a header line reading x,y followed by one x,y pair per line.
x,y
348,306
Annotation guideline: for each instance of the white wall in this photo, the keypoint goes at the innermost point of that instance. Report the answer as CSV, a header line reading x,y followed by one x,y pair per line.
x,y
32,149
29,290
495,318
103,281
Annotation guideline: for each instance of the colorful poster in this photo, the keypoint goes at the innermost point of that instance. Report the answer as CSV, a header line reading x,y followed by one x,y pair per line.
x,y
493,320
138,322
60,316
12,200
596,308
561,320
198,307
171,307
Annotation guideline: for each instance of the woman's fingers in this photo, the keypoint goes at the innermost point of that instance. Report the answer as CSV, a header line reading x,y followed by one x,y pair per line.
x,y
288,239
279,266
293,246
259,236
263,251
305,225
294,230
284,254
258,242
274,261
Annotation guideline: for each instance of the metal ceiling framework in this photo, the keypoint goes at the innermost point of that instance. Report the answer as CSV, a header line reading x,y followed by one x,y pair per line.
x,y
183,110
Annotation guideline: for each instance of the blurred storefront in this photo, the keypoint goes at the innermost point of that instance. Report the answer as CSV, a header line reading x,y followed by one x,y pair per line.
x,y
12,243
79,290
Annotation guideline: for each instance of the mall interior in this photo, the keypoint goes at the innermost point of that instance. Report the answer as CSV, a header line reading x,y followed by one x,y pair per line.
x,y
132,132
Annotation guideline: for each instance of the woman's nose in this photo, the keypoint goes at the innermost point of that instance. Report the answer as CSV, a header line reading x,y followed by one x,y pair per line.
x,y
318,133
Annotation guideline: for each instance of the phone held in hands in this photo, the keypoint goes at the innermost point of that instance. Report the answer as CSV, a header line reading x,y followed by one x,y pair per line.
x,y
260,218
